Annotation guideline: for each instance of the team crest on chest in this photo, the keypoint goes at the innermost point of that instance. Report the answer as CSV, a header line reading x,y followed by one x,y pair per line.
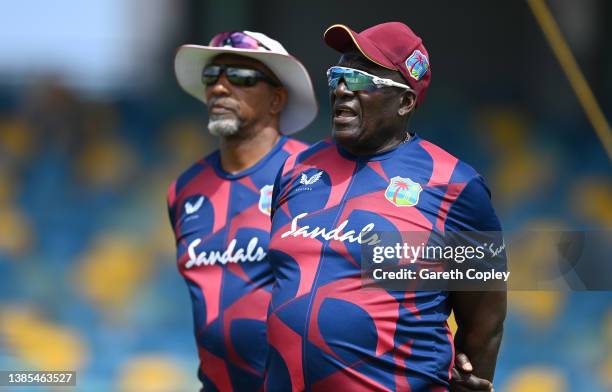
x,y
403,192
265,199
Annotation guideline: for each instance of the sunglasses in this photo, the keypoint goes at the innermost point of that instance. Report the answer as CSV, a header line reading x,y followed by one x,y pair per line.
x,y
236,39
243,77
357,80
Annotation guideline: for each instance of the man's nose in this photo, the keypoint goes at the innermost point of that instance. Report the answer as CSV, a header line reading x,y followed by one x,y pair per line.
x,y
220,87
341,90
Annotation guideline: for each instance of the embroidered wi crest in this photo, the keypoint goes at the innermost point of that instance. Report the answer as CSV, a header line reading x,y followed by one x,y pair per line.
x,y
265,199
403,192
417,65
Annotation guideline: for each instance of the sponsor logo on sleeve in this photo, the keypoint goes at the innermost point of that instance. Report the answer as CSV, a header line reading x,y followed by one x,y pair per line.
x,y
193,207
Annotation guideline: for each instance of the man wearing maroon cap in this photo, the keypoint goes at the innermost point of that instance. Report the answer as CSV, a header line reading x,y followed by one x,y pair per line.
x,y
325,330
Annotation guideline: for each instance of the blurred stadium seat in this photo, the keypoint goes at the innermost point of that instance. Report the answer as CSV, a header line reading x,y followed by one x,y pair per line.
x,y
87,273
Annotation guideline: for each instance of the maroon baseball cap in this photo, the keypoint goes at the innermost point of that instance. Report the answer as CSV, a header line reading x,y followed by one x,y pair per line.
x,y
392,45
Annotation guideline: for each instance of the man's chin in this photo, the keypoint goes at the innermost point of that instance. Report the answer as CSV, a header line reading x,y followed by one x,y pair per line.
x,y
344,135
224,127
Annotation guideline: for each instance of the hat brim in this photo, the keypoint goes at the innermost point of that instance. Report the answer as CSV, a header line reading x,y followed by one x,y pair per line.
x,y
301,107
343,39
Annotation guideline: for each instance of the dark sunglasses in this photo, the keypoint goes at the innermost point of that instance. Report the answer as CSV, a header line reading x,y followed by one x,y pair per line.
x,y
243,77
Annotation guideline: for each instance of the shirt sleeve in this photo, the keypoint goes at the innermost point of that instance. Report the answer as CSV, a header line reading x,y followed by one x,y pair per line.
x,y
276,190
472,210
472,221
171,204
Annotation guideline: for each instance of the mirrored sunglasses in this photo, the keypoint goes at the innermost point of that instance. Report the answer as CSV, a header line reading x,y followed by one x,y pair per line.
x,y
236,39
357,80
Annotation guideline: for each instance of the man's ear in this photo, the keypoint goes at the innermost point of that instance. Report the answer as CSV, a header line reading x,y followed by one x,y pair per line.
x,y
279,99
408,104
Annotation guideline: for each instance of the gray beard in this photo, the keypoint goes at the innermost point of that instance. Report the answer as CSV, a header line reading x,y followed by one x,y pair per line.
x,y
224,127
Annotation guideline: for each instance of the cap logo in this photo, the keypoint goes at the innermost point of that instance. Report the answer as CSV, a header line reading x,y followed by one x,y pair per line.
x,y
417,65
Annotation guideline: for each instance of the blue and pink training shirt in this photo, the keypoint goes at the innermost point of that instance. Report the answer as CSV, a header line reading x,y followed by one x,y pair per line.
x,y
325,331
221,223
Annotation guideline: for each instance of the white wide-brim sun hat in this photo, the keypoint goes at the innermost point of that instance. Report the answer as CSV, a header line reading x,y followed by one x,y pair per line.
x,y
301,107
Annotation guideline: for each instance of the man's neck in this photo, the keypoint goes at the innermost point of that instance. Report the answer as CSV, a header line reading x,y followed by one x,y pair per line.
x,y
238,153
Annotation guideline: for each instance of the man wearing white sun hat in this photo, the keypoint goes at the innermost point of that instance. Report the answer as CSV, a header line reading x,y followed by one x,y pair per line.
x,y
256,94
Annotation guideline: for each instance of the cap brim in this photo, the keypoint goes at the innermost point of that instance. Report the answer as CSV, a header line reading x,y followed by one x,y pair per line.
x,y
301,107
343,39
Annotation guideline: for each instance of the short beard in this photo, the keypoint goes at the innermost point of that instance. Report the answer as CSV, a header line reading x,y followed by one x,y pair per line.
x,y
224,127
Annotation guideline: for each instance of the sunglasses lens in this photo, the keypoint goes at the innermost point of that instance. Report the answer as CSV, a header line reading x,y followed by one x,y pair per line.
x,y
235,40
360,83
219,39
210,75
242,76
354,79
